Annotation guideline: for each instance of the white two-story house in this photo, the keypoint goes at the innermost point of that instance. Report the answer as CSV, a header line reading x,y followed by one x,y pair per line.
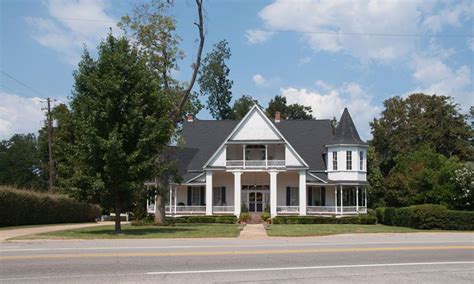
x,y
285,167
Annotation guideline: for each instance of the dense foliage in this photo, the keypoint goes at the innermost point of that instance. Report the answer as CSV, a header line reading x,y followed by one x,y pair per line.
x,y
427,216
293,111
26,207
121,123
20,164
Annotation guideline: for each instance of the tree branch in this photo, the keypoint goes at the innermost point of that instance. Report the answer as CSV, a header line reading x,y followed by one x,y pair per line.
x,y
196,65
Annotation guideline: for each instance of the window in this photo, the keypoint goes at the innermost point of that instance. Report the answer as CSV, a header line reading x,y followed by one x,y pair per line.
x,y
361,160
196,195
348,160
316,196
292,197
334,161
218,196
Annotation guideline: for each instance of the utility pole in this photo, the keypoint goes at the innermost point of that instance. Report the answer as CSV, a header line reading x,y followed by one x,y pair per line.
x,y
50,146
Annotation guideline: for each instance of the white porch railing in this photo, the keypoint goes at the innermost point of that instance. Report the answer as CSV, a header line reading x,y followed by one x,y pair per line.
x,y
332,209
223,209
255,163
190,209
288,209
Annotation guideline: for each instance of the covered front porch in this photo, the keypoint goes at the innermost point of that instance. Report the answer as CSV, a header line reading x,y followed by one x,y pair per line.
x,y
277,192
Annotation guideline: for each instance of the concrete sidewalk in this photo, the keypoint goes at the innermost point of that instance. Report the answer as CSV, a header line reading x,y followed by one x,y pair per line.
x,y
13,233
253,231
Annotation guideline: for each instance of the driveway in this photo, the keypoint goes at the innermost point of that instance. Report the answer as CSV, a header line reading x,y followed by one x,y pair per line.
x,y
13,233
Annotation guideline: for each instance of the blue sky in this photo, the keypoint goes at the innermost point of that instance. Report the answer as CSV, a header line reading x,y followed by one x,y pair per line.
x,y
327,54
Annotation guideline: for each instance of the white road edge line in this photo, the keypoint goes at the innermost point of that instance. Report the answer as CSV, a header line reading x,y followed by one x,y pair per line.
x,y
231,246
307,267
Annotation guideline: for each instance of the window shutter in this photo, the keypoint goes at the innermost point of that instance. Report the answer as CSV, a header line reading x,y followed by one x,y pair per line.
x,y
223,195
203,194
323,196
310,196
288,196
190,195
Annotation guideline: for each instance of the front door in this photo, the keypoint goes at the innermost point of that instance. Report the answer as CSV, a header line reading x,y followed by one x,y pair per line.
x,y
255,201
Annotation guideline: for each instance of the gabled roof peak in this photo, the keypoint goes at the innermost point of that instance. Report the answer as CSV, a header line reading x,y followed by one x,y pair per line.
x,y
346,132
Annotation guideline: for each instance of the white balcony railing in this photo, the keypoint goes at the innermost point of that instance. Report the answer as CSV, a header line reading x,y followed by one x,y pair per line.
x,y
223,209
288,209
255,163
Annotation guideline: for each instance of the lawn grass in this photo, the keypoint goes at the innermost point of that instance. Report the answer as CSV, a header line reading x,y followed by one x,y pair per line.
x,y
301,230
35,226
135,232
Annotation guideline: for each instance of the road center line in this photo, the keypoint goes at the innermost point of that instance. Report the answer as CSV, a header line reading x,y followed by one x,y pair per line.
x,y
231,246
232,252
309,267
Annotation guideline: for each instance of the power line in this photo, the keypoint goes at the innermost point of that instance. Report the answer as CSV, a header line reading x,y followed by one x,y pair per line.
x,y
336,33
21,83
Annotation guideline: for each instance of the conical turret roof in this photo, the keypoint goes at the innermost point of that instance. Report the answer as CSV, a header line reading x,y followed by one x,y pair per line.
x,y
346,132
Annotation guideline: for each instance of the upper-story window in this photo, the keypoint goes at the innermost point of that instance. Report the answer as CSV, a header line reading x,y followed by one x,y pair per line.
x,y
334,161
361,160
348,160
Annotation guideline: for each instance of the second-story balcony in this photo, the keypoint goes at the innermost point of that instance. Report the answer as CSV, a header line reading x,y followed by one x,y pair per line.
x,y
255,156
251,164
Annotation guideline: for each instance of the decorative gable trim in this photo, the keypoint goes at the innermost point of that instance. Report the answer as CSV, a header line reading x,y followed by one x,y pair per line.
x,y
270,124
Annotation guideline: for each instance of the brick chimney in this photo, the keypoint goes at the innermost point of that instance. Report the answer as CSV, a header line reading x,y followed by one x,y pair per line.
x,y
189,117
277,116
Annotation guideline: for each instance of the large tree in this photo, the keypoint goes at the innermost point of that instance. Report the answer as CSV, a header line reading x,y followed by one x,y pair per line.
x,y
293,111
407,124
214,81
121,124
242,106
20,163
153,28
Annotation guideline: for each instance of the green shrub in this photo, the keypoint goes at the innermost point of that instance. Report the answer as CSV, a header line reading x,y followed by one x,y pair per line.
x,y
207,219
426,216
26,207
183,219
265,216
379,213
226,219
244,208
147,221
360,219
370,212
201,219
244,217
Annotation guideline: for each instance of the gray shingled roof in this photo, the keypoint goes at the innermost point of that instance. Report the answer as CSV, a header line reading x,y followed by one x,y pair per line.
x,y
346,132
308,138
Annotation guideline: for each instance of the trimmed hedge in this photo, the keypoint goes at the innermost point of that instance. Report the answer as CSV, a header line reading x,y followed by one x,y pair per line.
x,y
24,207
206,219
426,216
360,219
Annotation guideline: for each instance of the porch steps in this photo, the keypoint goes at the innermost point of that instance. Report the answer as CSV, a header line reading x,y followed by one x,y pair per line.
x,y
255,218
253,231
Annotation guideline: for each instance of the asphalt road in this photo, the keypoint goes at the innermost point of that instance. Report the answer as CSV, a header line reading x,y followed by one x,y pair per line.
x,y
400,258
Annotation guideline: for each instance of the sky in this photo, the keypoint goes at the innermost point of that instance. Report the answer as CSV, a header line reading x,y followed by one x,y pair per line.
x,y
325,54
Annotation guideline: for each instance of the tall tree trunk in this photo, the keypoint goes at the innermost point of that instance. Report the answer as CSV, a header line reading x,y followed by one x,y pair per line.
x,y
118,211
160,195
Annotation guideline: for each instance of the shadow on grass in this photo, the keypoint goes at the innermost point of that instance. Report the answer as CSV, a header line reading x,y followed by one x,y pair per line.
x,y
138,231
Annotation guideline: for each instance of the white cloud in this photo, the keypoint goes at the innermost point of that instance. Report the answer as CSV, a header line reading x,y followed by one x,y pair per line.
x,y
71,25
331,103
470,43
356,27
19,114
258,35
259,80
449,16
304,60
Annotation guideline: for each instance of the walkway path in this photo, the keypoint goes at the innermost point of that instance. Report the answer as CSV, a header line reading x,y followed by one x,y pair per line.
x,y
253,231
13,233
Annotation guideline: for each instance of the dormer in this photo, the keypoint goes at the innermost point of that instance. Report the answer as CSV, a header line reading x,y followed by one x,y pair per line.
x,y
346,153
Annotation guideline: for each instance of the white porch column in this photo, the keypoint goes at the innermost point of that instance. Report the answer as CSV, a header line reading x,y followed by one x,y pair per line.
x,y
302,193
208,192
365,196
273,193
175,198
171,201
342,206
237,193
357,199
243,154
335,198
266,156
